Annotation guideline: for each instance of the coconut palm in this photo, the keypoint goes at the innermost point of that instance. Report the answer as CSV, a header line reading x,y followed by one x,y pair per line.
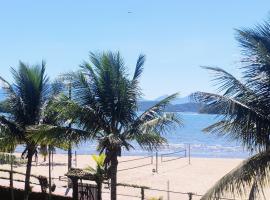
x,y
244,108
99,172
26,99
104,104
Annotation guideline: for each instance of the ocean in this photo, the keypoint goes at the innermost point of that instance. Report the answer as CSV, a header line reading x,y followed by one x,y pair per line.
x,y
201,144
182,138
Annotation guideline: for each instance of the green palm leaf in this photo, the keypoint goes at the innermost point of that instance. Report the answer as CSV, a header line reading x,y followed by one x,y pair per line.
x,y
243,108
248,177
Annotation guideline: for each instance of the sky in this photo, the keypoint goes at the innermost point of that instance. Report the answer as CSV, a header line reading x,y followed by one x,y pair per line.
x,y
176,36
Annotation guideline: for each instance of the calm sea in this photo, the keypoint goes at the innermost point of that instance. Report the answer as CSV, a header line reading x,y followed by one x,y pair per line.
x,y
201,144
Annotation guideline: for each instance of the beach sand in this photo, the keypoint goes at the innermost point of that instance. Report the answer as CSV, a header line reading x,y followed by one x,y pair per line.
x,y
196,177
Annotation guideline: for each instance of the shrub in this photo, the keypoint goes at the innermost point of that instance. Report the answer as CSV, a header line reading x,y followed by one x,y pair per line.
x,y
5,193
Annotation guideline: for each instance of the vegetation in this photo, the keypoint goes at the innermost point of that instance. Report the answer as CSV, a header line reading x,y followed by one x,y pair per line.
x,y
99,172
26,101
6,158
245,111
5,194
105,106
154,198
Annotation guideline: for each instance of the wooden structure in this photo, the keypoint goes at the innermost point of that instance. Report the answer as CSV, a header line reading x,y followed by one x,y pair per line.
x,y
82,191
43,181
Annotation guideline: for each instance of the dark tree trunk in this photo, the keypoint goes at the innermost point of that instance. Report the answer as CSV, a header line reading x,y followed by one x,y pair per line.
x,y
99,191
69,148
28,173
69,163
114,164
69,157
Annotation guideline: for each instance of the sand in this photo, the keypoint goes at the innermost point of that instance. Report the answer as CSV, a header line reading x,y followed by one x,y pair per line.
x,y
196,177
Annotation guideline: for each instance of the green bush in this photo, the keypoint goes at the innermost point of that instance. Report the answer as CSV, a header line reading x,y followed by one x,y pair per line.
x,y
5,194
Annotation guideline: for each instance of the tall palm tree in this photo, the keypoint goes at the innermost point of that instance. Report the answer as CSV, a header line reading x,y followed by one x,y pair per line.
x,y
26,99
105,104
244,109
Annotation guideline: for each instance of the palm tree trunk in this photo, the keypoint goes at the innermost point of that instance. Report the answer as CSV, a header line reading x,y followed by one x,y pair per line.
x,y
28,173
99,191
69,148
50,175
69,157
114,164
11,176
69,163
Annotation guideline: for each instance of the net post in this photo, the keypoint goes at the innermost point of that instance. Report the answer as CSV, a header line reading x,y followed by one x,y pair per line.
x,y
142,193
156,162
168,190
75,158
189,154
190,195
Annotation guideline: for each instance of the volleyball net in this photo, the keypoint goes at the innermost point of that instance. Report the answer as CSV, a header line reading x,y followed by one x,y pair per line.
x,y
174,155
135,163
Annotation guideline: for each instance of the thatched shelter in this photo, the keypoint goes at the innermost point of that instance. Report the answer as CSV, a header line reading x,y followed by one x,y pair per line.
x,y
75,174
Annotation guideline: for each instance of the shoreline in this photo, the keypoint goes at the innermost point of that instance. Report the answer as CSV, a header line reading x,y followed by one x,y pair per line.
x,y
134,154
196,177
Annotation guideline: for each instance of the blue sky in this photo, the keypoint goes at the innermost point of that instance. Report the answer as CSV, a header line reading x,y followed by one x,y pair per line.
x,y
176,36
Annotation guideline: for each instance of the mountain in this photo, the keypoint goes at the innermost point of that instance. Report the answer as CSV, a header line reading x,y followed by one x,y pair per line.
x,y
178,100
178,105
184,107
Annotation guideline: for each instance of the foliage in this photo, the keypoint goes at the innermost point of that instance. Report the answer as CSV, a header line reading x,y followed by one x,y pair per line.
x,y
155,198
18,193
99,171
8,159
27,99
244,108
104,104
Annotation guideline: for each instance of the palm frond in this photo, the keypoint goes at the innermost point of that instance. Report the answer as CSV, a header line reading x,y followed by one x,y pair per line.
x,y
242,180
55,135
150,141
158,107
238,120
139,67
228,83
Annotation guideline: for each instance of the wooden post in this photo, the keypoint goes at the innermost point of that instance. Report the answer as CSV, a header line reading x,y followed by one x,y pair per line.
x,y
156,162
168,190
75,188
75,158
190,195
142,193
189,154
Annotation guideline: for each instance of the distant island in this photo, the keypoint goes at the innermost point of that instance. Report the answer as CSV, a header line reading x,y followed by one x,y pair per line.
x,y
178,105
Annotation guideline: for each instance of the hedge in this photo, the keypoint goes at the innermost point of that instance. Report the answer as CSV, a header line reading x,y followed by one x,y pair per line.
x,y
5,194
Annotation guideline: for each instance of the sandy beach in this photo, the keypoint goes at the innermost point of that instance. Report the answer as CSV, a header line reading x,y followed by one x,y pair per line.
x,y
178,175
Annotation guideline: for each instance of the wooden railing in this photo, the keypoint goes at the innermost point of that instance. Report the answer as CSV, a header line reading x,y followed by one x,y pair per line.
x,y
42,180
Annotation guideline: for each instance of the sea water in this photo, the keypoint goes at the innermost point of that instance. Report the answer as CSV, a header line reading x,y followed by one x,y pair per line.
x,y
190,135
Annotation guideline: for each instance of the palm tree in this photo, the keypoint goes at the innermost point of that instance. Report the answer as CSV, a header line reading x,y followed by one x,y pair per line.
x,y
244,109
105,104
99,172
26,100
